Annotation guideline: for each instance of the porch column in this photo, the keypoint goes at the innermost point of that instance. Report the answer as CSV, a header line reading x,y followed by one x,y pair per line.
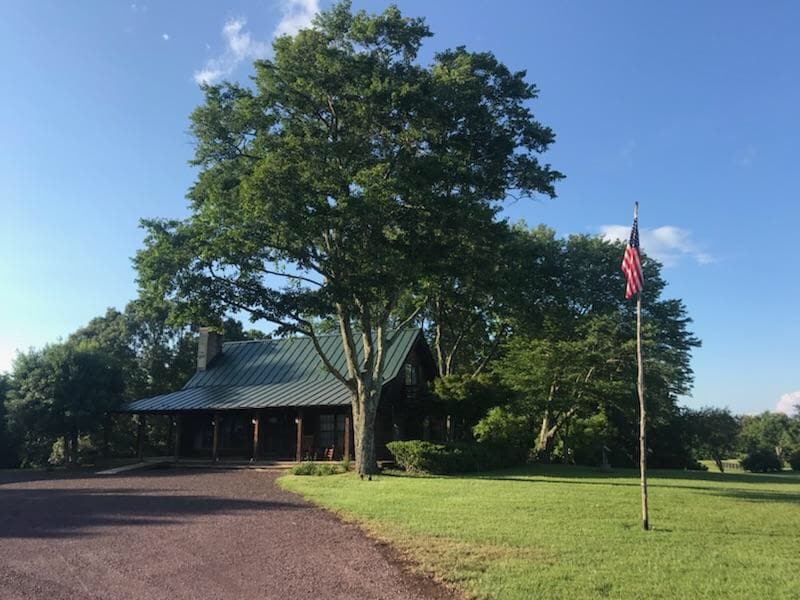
x,y
177,437
256,433
107,424
170,435
299,441
346,453
215,447
140,437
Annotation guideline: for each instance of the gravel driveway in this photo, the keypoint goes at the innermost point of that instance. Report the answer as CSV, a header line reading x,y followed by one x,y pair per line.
x,y
184,534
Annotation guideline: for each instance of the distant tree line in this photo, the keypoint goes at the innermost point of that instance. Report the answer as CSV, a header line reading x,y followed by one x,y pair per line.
x,y
57,404
535,348
534,352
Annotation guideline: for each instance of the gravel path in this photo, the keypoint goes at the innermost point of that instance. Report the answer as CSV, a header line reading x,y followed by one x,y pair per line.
x,y
184,534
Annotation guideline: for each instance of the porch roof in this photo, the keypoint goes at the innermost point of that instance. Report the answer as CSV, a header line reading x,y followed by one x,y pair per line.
x,y
296,393
271,374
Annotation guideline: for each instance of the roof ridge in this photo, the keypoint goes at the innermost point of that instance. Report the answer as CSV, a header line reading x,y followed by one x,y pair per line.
x,y
303,337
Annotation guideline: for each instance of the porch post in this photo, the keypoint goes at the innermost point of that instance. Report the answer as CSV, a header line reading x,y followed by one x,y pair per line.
x,y
140,436
299,441
346,453
170,435
107,424
256,433
177,437
215,447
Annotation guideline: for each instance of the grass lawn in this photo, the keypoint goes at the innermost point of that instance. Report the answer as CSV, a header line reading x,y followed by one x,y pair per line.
x,y
564,532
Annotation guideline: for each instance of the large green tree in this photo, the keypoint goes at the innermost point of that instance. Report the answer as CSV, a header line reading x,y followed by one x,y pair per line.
x,y
581,363
61,393
344,178
715,432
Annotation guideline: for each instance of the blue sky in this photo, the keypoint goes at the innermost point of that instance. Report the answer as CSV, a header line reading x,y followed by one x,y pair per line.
x,y
688,107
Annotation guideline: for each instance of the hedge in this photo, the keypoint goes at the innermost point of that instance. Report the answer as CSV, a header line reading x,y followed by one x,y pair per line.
x,y
762,460
428,457
794,460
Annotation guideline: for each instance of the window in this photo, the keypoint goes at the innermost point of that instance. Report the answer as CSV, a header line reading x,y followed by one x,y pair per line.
x,y
331,433
410,379
327,431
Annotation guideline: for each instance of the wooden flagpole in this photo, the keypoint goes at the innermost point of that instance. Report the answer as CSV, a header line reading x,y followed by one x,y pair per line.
x,y
642,409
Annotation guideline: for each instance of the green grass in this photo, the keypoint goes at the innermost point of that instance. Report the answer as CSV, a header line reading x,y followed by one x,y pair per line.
x,y
561,532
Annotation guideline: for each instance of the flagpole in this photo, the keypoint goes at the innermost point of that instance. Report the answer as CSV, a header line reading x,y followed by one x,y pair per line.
x,y
642,409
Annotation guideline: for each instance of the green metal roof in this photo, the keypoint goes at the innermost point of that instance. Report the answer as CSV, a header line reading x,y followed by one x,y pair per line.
x,y
272,373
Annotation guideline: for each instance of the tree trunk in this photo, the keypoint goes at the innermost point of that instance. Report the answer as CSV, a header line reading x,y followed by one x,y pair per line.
x,y
365,408
543,440
718,462
72,449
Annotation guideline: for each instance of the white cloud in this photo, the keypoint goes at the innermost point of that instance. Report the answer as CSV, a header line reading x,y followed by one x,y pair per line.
x,y
165,37
667,244
789,403
239,46
296,15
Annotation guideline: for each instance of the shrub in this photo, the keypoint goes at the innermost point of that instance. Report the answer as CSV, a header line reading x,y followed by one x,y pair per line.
x,y
762,460
318,469
501,427
794,460
427,457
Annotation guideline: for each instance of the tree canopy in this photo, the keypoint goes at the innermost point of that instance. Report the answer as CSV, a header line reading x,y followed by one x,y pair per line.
x,y
345,178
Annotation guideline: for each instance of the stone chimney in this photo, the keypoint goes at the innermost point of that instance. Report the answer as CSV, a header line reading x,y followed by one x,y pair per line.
x,y
208,347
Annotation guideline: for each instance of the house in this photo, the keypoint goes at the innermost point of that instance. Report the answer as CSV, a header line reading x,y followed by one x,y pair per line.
x,y
273,399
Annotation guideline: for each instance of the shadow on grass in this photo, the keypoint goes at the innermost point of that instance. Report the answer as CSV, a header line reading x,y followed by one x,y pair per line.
x,y
573,472
658,478
757,495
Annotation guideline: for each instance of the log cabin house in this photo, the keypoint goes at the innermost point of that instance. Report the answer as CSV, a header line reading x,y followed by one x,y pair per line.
x,y
274,400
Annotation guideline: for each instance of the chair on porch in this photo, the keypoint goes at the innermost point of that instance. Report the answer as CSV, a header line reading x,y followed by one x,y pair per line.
x,y
329,452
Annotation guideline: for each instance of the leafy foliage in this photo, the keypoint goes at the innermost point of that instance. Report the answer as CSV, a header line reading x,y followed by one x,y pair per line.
x,y
62,391
762,460
775,431
348,177
428,457
318,469
581,363
715,432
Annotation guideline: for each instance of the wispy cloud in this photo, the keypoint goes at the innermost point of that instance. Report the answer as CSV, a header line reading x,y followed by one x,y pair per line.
x,y
789,403
747,156
240,44
165,37
296,15
667,244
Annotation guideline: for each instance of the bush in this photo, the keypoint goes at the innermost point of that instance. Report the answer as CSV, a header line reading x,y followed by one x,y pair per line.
x,y
762,460
317,469
427,457
501,427
794,460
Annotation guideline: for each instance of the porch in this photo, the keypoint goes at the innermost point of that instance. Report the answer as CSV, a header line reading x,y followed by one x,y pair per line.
x,y
268,434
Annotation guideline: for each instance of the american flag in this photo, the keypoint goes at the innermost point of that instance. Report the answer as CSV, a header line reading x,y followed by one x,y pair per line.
x,y
632,263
